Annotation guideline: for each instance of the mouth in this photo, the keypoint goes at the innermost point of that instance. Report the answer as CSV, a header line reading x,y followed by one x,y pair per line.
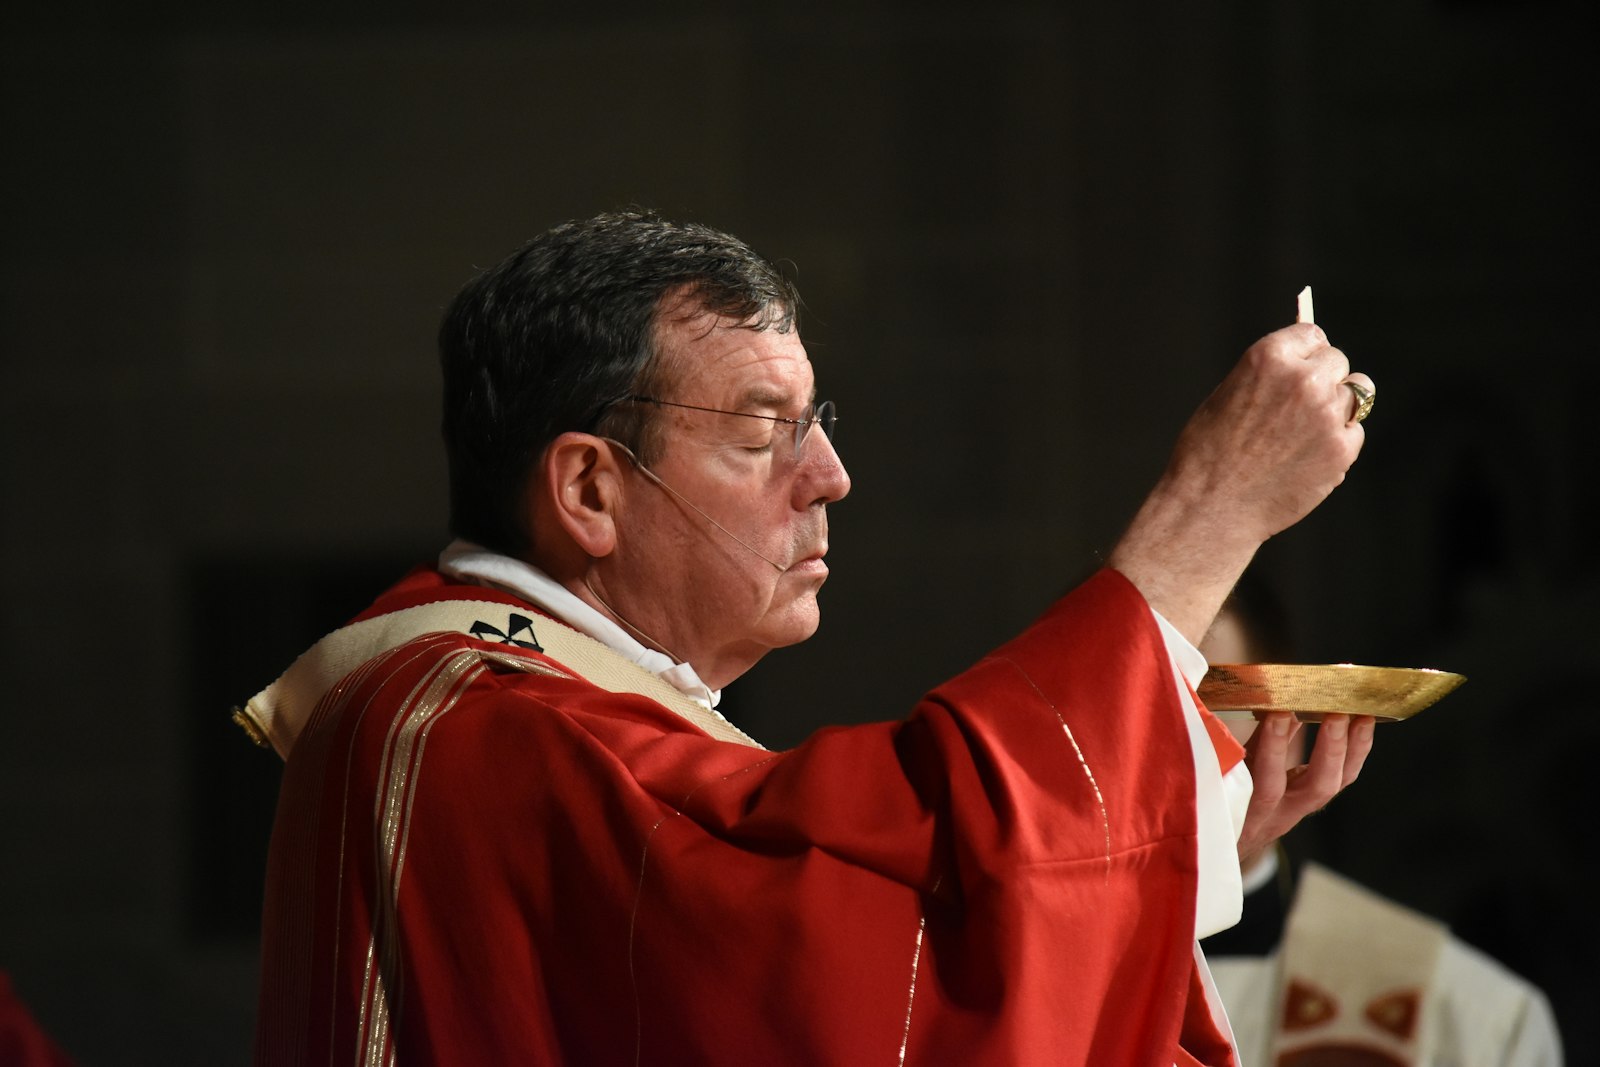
x,y
811,564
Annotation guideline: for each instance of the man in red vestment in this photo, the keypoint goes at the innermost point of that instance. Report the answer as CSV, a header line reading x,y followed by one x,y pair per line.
x,y
513,828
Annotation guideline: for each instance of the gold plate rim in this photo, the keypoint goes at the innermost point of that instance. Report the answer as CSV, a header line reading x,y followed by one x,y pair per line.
x,y
1313,690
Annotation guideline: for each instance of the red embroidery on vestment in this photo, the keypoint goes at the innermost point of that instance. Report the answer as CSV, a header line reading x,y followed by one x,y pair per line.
x,y
1305,1006
1396,1013
1338,1056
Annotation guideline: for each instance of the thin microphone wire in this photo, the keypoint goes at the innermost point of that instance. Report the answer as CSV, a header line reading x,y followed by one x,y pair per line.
x,y
646,638
650,474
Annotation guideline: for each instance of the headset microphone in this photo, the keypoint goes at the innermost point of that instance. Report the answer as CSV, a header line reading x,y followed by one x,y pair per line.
x,y
741,542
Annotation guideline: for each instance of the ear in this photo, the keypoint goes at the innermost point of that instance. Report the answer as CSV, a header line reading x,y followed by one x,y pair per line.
x,y
577,490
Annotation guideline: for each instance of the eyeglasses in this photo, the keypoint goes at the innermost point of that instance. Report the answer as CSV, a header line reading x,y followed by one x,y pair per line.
x,y
815,414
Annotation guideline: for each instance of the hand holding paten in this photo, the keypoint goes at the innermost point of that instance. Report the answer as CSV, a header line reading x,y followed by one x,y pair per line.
x,y
1286,791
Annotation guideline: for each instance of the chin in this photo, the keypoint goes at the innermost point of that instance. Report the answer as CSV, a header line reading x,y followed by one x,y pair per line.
x,y
800,620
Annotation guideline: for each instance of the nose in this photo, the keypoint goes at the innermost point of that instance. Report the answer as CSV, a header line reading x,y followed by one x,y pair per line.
x,y
821,477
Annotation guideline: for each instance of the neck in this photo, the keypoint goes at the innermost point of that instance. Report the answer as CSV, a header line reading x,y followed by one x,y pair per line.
x,y
622,620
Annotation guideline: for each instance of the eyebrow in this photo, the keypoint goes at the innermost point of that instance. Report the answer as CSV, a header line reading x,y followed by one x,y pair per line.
x,y
762,397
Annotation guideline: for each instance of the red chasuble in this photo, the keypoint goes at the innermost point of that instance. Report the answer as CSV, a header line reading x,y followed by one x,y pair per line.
x,y
23,1043
475,864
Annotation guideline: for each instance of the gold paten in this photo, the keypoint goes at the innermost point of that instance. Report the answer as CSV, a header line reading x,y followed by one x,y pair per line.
x,y
1312,690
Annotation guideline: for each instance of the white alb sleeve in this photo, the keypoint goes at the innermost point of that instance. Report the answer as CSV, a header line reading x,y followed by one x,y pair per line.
x,y
1220,800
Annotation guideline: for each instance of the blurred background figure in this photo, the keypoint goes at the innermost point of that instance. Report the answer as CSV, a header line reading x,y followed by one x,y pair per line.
x,y
1322,967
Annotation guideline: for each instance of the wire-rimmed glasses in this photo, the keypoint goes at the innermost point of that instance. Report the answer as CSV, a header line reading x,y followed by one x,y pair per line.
x,y
816,414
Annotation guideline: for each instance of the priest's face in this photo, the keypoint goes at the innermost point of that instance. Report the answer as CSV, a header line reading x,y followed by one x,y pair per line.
x,y
720,556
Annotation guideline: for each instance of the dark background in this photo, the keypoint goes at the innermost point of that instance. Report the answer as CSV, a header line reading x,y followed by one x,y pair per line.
x,y
1032,236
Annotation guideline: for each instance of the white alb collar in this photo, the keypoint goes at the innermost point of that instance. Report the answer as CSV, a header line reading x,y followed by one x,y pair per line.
x,y
468,562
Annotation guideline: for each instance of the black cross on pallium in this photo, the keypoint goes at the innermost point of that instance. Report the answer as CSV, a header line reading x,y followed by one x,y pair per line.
x,y
516,624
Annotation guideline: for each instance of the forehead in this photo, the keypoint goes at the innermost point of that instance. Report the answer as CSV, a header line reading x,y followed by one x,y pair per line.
x,y
715,361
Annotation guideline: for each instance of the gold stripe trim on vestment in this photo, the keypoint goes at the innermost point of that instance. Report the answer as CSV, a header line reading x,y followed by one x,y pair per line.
x,y
399,770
